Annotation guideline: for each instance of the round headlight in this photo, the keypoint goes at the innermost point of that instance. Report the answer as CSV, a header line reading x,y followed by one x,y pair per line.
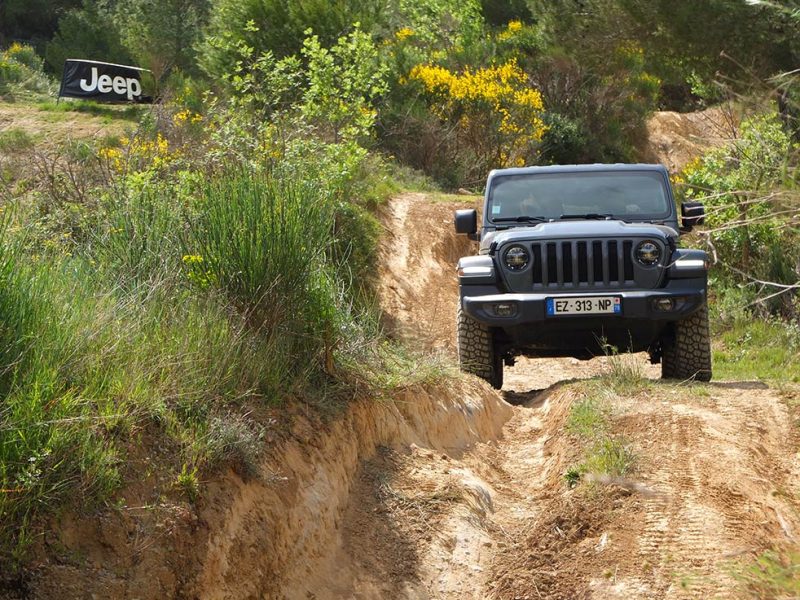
x,y
517,258
648,253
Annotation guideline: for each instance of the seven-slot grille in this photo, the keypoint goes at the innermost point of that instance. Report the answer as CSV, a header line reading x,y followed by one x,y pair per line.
x,y
582,262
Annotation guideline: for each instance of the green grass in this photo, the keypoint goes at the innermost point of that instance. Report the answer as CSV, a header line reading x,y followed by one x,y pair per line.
x,y
604,453
625,375
773,574
588,418
768,350
15,140
112,111
182,315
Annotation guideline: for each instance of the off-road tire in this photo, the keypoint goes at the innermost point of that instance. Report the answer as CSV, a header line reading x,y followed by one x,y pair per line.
x,y
476,351
687,354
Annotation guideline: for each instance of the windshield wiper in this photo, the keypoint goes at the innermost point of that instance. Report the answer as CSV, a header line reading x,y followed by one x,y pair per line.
x,y
588,216
520,219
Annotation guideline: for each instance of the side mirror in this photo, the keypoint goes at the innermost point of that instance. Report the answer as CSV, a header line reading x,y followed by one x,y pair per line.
x,y
692,213
467,222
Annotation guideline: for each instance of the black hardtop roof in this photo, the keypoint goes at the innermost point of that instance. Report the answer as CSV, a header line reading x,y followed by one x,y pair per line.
x,y
579,169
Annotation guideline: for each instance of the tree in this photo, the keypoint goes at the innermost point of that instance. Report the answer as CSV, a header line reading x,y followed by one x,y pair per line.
x,y
161,34
88,32
278,27
32,20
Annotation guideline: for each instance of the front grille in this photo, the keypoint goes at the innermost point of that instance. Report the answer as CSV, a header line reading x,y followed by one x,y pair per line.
x,y
581,263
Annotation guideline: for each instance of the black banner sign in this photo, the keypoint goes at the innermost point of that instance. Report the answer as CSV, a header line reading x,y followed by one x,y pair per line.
x,y
101,81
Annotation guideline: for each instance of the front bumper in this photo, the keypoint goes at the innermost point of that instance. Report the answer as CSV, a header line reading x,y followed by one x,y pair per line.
x,y
531,308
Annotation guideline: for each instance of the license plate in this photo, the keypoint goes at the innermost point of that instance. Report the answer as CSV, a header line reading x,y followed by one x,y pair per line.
x,y
594,305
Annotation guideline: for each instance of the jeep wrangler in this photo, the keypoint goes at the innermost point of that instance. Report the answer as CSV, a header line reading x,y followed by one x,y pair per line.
x,y
578,259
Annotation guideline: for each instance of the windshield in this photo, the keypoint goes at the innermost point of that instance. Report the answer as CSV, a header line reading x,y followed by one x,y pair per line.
x,y
627,195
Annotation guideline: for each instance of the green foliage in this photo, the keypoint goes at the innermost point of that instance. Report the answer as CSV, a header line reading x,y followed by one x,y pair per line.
x,y
264,243
604,453
441,23
137,244
188,483
21,73
88,32
277,27
747,348
774,573
608,456
744,188
161,34
15,140
343,83
738,39
564,140
587,418
500,12
31,19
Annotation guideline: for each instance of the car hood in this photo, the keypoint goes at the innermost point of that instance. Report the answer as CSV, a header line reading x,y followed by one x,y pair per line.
x,y
577,229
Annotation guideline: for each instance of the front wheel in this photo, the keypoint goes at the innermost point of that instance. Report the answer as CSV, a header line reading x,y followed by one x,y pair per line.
x,y
476,351
687,354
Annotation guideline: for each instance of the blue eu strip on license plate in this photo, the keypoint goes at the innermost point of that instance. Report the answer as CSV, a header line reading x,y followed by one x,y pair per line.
x,y
587,305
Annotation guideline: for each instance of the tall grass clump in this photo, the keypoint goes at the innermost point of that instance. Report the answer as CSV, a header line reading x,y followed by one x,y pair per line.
x,y
50,443
265,243
137,243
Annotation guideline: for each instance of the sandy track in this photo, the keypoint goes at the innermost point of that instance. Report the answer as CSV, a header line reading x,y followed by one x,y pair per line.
x,y
715,481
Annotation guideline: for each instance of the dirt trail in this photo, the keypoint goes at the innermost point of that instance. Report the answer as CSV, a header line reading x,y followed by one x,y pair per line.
x,y
716,476
453,492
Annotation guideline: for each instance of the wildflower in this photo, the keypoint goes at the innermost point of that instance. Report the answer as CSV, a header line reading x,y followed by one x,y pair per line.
x,y
179,118
513,28
404,33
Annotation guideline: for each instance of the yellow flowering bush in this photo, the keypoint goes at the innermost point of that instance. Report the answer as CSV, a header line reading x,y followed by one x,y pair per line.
x,y
513,28
494,108
186,116
139,154
404,33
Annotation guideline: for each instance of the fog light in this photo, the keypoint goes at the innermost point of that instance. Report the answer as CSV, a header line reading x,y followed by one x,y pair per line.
x,y
505,309
664,304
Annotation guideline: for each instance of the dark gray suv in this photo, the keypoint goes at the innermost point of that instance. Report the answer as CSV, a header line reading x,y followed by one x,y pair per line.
x,y
576,259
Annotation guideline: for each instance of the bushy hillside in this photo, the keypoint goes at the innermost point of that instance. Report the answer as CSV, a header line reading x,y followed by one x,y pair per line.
x,y
173,283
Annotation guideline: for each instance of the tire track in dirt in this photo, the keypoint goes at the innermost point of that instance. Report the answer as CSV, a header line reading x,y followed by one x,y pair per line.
x,y
712,484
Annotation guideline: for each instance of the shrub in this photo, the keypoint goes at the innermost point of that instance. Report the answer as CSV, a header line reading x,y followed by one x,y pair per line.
x,y
750,204
265,243
21,73
277,27
494,110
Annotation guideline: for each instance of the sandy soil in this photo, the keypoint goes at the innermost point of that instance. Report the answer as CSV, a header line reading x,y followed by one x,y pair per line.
x,y
715,478
674,139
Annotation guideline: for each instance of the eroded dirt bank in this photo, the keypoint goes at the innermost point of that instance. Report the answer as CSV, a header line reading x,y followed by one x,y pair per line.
x,y
266,535
453,493
715,477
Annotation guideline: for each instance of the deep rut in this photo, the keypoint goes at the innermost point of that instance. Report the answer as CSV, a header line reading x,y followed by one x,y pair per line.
x,y
715,477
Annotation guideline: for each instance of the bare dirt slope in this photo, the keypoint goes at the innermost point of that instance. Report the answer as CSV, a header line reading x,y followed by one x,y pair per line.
x,y
674,139
715,479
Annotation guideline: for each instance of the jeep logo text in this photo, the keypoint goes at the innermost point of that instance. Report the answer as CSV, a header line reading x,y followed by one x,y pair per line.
x,y
119,85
